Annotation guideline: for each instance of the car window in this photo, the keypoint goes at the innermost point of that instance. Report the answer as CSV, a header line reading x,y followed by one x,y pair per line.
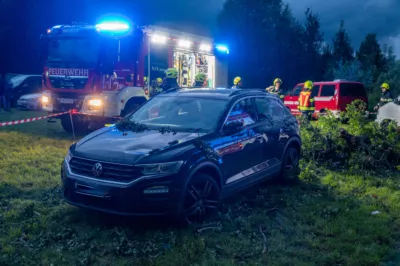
x,y
31,85
328,90
269,109
352,90
181,113
296,91
242,111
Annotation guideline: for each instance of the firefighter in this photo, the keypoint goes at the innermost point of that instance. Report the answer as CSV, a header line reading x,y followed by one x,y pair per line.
x,y
386,96
306,100
169,82
200,79
276,89
237,83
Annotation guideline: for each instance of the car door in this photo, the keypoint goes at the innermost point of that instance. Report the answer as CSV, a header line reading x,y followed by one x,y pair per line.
x,y
240,151
271,113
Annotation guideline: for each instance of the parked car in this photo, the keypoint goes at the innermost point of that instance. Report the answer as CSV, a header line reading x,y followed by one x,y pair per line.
x,y
329,95
192,148
24,84
30,101
390,111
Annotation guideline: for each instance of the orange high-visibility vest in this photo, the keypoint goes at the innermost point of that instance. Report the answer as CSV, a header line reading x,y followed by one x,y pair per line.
x,y
306,101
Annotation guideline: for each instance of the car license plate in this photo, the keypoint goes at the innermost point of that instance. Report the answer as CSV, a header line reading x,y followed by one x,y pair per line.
x,y
64,100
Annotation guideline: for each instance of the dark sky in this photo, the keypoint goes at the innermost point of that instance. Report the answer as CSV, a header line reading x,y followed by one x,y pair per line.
x,y
361,16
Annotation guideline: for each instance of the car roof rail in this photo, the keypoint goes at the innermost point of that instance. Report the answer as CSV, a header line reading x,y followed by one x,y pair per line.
x,y
239,91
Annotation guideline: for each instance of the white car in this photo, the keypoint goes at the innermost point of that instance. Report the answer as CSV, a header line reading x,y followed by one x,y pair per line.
x,y
30,101
390,111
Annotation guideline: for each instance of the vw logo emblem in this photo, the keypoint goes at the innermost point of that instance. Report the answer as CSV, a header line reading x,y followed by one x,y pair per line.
x,y
97,169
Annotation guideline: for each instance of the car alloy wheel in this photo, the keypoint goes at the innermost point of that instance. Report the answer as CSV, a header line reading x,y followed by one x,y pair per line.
x,y
291,164
201,199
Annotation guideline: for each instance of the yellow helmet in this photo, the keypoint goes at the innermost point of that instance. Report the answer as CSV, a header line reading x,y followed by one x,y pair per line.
x,y
171,73
308,84
145,79
200,77
385,86
159,80
277,80
237,80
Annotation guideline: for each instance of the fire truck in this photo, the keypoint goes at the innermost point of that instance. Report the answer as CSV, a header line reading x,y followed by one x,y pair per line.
x,y
110,69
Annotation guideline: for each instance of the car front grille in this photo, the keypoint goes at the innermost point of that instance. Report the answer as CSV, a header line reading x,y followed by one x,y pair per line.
x,y
110,171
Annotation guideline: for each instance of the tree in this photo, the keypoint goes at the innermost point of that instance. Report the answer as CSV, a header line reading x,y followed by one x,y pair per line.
x,y
326,63
313,39
342,50
370,55
352,70
265,41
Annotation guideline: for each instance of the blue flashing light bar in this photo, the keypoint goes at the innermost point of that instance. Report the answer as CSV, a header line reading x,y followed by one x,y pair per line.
x,y
222,48
113,27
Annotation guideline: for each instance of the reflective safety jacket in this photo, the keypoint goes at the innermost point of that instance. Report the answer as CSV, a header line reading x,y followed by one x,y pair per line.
x,y
306,101
386,97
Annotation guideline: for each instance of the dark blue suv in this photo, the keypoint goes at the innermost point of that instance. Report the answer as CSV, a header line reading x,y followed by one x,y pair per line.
x,y
182,152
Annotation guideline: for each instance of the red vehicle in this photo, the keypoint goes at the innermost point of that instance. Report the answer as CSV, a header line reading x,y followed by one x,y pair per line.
x,y
329,95
109,69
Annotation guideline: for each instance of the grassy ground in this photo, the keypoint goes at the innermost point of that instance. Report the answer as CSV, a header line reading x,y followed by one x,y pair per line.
x,y
324,220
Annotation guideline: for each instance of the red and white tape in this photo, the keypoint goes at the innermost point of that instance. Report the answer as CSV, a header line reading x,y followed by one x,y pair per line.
x,y
79,113
28,120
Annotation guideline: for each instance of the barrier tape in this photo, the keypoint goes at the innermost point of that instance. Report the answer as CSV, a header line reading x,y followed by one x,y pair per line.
x,y
28,120
115,117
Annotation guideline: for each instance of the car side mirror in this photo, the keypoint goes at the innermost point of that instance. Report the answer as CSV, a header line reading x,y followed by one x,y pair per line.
x,y
232,128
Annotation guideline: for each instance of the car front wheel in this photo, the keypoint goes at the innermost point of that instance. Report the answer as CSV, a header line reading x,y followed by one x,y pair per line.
x,y
202,199
290,164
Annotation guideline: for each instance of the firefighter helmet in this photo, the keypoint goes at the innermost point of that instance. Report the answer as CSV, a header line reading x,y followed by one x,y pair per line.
x,y
200,77
159,80
171,73
277,80
308,84
237,80
385,86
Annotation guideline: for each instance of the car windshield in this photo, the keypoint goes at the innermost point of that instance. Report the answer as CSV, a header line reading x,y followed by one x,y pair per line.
x,y
181,113
74,52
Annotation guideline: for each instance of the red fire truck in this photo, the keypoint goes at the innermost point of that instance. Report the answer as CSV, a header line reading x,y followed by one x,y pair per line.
x,y
108,69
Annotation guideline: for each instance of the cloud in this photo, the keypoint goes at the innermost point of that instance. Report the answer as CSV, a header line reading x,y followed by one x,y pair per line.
x,y
361,17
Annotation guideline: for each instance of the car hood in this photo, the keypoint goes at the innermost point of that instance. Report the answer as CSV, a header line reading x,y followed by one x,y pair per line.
x,y
30,96
111,145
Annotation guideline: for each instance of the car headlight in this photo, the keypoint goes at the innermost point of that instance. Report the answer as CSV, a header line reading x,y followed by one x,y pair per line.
x,y
160,168
68,158
45,99
95,102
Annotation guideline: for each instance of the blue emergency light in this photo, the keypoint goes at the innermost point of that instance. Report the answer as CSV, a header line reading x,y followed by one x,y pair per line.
x,y
113,27
222,48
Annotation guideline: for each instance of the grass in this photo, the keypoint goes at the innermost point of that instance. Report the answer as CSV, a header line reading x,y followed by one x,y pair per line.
x,y
323,220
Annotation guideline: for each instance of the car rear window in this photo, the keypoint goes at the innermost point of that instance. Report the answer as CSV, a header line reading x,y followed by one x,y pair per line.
x,y
352,90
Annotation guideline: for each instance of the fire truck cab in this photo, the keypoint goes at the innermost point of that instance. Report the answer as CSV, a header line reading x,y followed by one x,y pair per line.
x,y
110,69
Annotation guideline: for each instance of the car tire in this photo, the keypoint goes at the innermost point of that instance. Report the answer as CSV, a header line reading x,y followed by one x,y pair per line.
x,y
80,127
201,199
290,165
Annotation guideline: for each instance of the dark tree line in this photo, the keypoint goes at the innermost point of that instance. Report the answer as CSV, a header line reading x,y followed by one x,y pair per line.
x,y
266,42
